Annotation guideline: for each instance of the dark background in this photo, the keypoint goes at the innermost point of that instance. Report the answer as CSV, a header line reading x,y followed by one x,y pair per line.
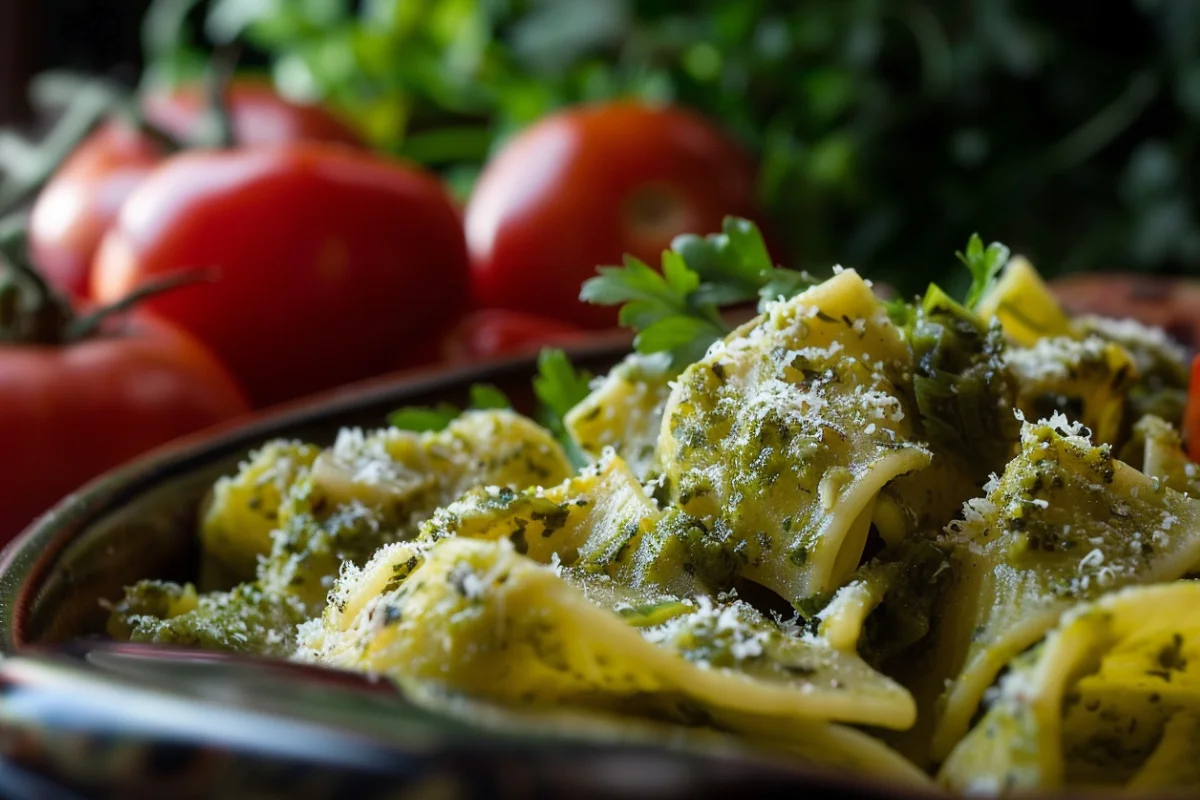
x,y
1070,130
76,34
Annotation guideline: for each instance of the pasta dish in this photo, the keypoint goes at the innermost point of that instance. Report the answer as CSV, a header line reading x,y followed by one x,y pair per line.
x,y
933,542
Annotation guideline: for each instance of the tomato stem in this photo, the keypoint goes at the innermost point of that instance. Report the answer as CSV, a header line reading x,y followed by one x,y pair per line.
x,y
218,129
88,102
131,114
27,176
33,313
81,327
55,90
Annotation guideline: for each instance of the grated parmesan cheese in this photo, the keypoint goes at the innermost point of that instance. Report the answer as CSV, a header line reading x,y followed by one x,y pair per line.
x,y
1131,332
1052,358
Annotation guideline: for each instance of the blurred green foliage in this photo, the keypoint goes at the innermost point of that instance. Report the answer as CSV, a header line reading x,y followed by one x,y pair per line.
x,y
885,129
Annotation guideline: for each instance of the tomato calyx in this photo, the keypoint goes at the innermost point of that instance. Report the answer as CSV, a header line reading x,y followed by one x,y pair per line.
x,y
33,313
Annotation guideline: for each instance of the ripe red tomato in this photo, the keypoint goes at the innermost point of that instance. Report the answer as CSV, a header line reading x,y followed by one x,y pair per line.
x,y
76,208
330,262
81,201
1191,413
260,116
74,411
584,187
494,332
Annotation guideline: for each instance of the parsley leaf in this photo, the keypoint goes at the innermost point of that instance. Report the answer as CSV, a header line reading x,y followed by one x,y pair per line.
x,y
485,396
960,383
559,387
730,263
664,309
901,312
984,264
423,418
420,419
735,266
677,311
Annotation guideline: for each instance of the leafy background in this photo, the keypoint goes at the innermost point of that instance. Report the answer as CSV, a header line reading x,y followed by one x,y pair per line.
x,y
887,131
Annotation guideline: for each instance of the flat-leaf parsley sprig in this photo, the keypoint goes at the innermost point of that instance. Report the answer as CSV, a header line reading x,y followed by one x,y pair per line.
x,y
678,310
985,265
559,387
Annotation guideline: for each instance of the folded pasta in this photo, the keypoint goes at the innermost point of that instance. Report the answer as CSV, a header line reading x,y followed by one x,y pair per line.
x,y
1066,523
915,541
328,509
782,437
1110,699
476,616
624,413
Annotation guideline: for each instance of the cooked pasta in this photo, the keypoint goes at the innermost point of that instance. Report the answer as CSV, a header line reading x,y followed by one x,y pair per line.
x,y
931,542
1109,698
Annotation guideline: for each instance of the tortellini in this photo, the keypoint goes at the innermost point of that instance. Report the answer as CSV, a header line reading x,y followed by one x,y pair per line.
x,y
1024,305
236,524
1161,455
368,490
1087,378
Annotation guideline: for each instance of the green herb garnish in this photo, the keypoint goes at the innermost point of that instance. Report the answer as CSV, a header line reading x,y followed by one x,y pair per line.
x,y
984,264
960,383
485,396
482,396
677,311
665,310
559,387
423,418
